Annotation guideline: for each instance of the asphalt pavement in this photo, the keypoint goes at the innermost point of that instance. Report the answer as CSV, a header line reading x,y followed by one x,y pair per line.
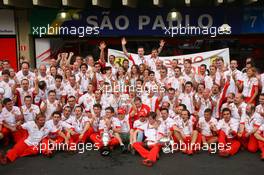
x,y
92,163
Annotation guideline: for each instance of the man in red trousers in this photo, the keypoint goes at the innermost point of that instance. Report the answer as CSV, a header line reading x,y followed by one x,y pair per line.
x,y
30,145
149,149
227,133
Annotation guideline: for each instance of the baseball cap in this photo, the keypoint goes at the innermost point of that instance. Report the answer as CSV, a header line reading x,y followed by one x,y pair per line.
x,y
121,111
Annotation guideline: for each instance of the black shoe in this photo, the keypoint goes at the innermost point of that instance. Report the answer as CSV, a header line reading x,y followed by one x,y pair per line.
x,y
3,159
123,148
133,151
105,151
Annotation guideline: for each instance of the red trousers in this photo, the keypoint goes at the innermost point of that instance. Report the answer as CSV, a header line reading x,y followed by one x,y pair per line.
x,y
97,139
19,134
21,149
230,145
75,138
187,142
48,147
250,143
150,154
261,147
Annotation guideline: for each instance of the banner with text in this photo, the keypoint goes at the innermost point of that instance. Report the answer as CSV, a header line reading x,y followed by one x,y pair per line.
x,y
197,58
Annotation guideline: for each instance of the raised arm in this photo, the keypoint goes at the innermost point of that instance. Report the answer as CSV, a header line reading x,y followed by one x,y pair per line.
x,y
102,46
162,42
123,42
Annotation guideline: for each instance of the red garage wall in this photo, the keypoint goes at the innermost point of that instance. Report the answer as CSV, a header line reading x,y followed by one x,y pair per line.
x,y
8,51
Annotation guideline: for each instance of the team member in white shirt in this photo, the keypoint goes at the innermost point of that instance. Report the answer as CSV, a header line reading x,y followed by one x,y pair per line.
x,y
83,77
233,75
259,134
25,90
81,127
260,107
151,100
168,123
170,97
87,100
137,135
207,127
227,131
50,105
187,97
110,125
5,85
29,110
59,89
149,149
11,118
44,77
30,145
73,88
249,86
204,102
176,81
185,133
124,130
249,123
56,136
25,73
238,107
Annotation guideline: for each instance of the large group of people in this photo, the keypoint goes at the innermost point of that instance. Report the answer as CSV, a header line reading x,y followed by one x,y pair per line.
x,y
140,108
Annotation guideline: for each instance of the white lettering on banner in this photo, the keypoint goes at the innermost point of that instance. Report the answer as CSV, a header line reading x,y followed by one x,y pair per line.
x,y
158,23
122,22
92,21
117,22
197,58
201,19
143,21
106,23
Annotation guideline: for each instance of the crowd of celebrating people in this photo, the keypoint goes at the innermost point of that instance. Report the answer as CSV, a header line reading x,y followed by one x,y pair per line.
x,y
137,107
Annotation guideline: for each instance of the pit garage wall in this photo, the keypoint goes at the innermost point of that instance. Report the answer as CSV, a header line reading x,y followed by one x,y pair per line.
x,y
42,51
8,46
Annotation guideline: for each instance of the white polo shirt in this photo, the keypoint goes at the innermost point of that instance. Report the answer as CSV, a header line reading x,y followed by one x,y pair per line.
x,y
9,117
35,135
51,107
205,126
78,124
248,86
30,113
187,99
250,122
227,127
87,100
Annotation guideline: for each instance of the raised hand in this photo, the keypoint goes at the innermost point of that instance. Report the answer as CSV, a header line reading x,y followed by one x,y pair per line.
x,y
162,43
123,41
102,45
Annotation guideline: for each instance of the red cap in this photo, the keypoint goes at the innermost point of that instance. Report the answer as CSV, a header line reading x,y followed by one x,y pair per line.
x,y
121,111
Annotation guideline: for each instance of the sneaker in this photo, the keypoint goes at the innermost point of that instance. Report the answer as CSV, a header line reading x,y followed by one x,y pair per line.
x,y
147,162
105,151
224,153
123,148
